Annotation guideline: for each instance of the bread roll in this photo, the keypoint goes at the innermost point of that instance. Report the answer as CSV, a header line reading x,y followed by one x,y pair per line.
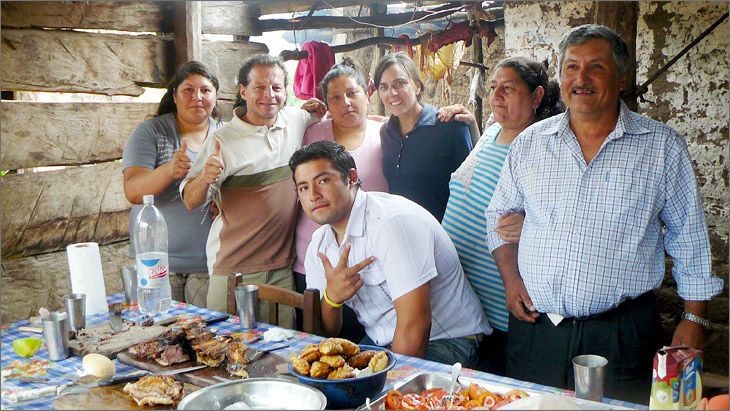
x,y
99,366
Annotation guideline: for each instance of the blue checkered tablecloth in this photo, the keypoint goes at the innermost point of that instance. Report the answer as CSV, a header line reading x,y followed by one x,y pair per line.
x,y
405,365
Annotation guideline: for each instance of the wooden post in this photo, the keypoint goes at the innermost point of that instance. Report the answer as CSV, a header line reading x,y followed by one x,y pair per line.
x,y
478,57
379,9
622,16
187,25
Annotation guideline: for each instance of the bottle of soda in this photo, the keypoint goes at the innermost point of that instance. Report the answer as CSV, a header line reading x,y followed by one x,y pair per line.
x,y
153,282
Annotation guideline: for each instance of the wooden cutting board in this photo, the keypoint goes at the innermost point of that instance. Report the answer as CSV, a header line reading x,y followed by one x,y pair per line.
x,y
107,398
269,365
103,340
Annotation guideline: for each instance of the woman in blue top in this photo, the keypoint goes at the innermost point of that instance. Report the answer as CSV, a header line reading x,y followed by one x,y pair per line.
x,y
521,94
158,155
419,152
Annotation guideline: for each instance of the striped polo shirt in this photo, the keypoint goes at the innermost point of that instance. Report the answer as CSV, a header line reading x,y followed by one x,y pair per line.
x,y
255,194
471,187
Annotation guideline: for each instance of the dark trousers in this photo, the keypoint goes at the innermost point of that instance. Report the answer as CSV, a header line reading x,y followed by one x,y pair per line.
x,y
493,353
628,336
351,327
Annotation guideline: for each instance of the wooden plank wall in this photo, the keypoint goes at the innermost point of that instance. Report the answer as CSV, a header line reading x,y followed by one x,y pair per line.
x,y
43,50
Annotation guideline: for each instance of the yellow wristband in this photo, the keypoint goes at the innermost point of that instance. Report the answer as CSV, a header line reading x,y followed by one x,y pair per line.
x,y
330,302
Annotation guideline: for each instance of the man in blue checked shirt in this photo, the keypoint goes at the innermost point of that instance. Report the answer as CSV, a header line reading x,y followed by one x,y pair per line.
x,y
606,192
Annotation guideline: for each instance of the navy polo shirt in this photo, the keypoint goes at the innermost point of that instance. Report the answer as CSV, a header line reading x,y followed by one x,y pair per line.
x,y
418,166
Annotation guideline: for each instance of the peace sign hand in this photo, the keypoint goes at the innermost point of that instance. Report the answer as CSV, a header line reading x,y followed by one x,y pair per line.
x,y
343,281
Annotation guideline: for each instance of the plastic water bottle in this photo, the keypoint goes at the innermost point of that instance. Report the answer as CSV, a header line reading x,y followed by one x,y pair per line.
x,y
153,281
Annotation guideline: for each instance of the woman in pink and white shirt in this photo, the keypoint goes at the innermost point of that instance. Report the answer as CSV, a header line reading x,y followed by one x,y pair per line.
x,y
345,93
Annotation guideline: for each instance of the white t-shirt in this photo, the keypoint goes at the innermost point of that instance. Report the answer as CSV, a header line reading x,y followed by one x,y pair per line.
x,y
411,248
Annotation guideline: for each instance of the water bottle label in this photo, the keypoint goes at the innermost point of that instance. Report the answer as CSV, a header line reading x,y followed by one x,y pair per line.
x,y
151,271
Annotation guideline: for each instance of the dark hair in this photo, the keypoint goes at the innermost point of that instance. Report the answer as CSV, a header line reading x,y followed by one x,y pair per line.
x,y
256,60
406,64
581,34
167,103
534,74
325,150
345,69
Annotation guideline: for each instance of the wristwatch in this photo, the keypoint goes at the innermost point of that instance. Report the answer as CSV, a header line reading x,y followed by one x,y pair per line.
x,y
695,319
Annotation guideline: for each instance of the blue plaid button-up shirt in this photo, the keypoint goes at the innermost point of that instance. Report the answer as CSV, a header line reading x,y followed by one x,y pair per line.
x,y
596,234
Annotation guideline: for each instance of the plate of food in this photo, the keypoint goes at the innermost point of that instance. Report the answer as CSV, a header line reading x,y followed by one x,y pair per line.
x,y
227,356
345,372
428,390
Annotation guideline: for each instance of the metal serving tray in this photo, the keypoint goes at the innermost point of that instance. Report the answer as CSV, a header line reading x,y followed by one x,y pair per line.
x,y
426,380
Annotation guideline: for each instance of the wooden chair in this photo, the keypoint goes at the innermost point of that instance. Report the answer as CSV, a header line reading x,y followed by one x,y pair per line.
x,y
308,302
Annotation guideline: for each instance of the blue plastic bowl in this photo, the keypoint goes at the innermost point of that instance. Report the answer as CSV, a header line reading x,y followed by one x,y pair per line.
x,y
350,392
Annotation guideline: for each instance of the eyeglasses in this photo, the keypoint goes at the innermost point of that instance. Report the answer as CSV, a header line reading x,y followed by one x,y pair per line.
x,y
398,84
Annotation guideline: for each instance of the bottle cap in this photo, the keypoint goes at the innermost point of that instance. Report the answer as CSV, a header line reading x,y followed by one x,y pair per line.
x,y
148,199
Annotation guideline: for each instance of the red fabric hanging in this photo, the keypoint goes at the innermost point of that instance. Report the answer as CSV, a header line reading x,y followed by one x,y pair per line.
x,y
407,46
311,70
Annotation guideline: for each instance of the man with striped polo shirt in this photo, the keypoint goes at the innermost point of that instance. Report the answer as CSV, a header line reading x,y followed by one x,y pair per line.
x,y
244,168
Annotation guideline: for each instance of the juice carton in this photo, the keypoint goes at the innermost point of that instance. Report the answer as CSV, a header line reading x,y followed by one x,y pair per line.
x,y
676,382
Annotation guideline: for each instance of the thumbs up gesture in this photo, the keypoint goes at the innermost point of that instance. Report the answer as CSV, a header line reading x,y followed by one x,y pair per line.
x,y
181,162
213,165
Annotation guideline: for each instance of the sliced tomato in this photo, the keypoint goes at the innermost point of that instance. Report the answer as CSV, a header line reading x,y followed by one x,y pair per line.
x,y
393,400
413,402
475,391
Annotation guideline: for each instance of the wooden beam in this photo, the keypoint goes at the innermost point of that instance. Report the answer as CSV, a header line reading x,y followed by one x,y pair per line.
x,y
291,6
390,41
46,211
41,281
187,24
622,17
224,58
140,16
337,22
70,133
70,61
229,17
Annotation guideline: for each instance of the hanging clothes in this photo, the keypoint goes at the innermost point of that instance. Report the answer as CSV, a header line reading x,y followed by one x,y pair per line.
x,y
311,70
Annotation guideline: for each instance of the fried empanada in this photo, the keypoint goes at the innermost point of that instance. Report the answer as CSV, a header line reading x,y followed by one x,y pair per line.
x,y
341,373
301,366
361,359
311,353
330,346
319,369
334,346
334,361
378,362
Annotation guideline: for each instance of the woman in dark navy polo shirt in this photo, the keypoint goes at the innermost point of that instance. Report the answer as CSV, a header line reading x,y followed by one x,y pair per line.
x,y
419,152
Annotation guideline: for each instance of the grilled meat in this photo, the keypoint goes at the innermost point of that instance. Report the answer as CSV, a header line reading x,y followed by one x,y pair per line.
x,y
149,349
155,389
237,358
212,352
172,354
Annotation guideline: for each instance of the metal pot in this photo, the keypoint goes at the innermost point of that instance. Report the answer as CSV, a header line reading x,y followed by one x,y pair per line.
x,y
255,393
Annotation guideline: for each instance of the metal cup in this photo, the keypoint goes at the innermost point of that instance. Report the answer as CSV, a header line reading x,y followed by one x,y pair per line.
x,y
589,372
247,304
55,331
116,320
75,310
129,279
